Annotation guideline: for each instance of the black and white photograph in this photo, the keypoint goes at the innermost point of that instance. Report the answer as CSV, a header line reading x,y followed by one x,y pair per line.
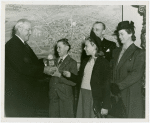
x,y
75,60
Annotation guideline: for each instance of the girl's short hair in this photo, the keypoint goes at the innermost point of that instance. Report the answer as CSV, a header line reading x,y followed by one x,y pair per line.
x,y
91,40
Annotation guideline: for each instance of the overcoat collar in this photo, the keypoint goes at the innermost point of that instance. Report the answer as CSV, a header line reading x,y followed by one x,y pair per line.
x,y
125,56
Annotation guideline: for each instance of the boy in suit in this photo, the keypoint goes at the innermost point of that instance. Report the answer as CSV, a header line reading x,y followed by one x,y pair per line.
x,y
61,93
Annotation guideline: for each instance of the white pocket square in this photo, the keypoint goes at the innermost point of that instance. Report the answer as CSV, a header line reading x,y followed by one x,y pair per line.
x,y
108,50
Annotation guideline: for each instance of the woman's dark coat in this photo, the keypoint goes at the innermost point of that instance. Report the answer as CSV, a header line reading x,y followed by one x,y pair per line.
x,y
127,74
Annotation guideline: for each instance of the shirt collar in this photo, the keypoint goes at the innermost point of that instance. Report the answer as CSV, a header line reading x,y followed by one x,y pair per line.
x,y
19,38
63,57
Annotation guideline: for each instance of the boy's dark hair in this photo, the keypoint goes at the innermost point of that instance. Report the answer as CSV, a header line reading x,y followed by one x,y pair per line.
x,y
65,42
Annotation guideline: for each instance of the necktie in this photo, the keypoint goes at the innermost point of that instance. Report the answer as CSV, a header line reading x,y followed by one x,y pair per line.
x,y
60,61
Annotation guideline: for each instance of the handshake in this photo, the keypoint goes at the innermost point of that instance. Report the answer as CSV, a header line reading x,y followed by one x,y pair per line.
x,y
53,71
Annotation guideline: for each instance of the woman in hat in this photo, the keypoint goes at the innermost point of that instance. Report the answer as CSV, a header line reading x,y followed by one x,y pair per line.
x,y
94,76
128,68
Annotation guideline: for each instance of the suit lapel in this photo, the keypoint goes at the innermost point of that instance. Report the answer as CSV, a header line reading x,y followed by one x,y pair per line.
x,y
30,53
65,62
56,61
96,63
105,45
116,55
23,45
126,55
27,51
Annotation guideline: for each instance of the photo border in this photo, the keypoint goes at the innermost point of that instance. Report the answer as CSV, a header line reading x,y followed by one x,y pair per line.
x,y
65,120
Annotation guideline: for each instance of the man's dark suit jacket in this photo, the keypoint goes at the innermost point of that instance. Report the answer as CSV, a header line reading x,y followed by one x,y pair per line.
x,y
22,69
100,80
107,48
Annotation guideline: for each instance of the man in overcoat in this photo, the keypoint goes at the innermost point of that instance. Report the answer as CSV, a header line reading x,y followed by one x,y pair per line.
x,y
97,33
22,70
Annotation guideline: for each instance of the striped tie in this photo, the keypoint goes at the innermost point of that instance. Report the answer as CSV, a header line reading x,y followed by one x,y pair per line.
x,y
60,61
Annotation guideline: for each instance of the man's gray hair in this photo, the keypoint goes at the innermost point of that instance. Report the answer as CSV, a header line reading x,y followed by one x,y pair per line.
x,y
20,23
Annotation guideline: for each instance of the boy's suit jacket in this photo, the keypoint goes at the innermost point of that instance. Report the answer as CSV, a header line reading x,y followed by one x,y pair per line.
x,y
62,87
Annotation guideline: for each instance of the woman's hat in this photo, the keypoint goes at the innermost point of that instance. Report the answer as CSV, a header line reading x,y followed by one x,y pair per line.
x,y
125,25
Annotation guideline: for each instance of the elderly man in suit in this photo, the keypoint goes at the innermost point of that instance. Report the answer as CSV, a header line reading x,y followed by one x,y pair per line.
x,y
61,93
97,33
22,70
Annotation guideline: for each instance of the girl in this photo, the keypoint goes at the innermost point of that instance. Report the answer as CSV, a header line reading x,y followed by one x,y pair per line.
x,y
94,76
